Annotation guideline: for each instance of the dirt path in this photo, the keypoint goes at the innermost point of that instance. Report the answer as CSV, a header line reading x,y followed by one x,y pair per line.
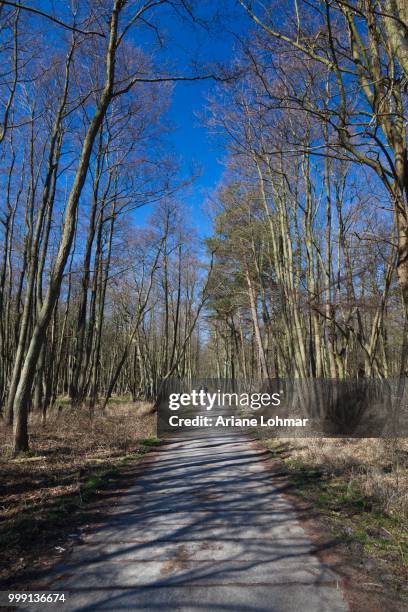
x,y
204,527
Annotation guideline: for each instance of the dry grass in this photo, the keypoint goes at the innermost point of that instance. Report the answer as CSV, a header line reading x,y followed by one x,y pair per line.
x,y
360,488
78,432
72,455
378,467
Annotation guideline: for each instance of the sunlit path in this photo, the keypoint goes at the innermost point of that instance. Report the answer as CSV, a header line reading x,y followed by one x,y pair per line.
x,y
205,527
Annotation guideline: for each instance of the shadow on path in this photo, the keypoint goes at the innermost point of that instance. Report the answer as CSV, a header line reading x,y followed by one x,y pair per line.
x,y
205,527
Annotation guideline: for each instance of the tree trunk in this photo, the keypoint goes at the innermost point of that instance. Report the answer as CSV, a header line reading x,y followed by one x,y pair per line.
x,y
20,406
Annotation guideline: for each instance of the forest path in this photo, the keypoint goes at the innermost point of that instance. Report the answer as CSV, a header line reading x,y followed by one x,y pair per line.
x,y
205,526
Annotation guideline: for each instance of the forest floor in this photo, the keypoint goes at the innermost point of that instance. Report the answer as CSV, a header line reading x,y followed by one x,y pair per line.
x,y
47,492
205,525
359,489
356,491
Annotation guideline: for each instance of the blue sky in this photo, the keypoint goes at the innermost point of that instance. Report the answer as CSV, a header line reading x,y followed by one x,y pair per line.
x,y
186,46
196,148
193,143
